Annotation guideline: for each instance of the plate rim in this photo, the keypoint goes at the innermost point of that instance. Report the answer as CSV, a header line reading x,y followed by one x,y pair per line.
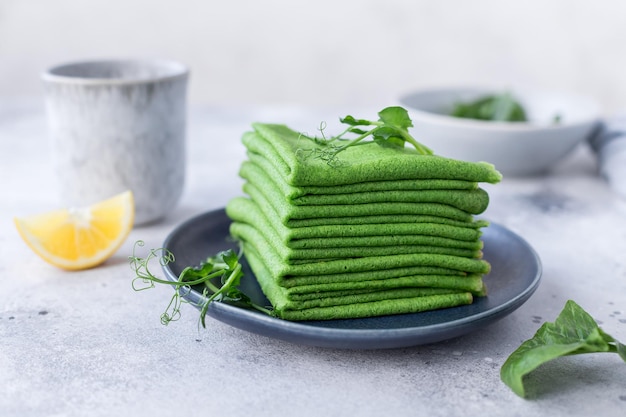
x,y
341,337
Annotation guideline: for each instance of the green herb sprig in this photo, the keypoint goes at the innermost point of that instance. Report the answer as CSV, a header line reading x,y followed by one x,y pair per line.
x,y
390,130
574,332
219,277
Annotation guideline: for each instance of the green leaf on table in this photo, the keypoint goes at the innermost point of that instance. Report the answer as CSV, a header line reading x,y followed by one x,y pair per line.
x,y
573,332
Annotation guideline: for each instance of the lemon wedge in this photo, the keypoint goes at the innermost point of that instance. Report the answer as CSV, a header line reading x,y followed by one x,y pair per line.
x,y
79,238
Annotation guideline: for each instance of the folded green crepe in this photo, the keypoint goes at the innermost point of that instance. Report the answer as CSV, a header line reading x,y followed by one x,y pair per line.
x,y
393,278
373,308
373,265
288,214
298,256
255,242
244,210
396,240
293,192
293,156
305,288
372,293
247,215
473,201
380,219
351,306
336,300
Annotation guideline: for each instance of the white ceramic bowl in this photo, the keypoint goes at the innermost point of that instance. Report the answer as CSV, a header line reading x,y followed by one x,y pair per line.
x,y
515,148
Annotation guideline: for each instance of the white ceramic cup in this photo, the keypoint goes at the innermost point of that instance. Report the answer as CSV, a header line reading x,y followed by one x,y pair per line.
x,y
119,125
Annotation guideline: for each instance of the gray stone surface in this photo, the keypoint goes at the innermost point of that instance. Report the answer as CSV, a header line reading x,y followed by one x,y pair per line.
x,y
85,344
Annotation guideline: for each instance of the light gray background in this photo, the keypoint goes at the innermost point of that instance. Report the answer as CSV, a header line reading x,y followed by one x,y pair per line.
x,y
328,52
100,349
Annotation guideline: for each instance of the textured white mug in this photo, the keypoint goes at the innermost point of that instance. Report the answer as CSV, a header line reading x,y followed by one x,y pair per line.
x,y
119,125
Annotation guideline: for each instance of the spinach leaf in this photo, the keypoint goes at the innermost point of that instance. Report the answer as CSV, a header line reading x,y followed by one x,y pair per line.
x,y
497,107
573,332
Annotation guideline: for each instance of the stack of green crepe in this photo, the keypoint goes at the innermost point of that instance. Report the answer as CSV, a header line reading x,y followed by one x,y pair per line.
x,y
381,231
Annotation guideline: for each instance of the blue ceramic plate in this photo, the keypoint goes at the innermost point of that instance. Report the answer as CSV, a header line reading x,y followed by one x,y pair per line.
x,y
515,274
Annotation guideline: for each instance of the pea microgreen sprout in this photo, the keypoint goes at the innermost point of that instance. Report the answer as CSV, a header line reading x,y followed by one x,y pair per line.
x,y
223,267
391,129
